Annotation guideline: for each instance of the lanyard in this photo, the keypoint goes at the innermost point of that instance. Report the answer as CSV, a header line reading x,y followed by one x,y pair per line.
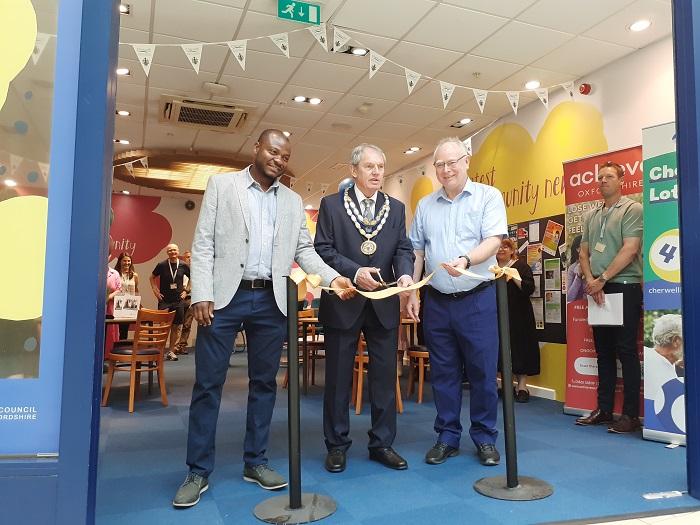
x,y
604,219
170,267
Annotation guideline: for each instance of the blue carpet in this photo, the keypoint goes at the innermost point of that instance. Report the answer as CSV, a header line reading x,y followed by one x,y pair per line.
x,y
594,473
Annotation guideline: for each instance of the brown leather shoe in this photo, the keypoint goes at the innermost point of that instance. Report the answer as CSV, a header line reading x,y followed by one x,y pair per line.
x,y
596,417
625,425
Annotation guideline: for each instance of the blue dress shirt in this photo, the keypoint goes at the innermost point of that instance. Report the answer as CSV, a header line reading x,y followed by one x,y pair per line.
x,y
262,207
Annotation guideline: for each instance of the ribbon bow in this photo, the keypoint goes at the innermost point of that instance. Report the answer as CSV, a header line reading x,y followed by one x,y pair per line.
x,y
508,271
298,276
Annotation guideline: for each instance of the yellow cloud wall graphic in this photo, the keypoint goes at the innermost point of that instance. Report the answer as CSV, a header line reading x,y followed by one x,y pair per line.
x,y
17,38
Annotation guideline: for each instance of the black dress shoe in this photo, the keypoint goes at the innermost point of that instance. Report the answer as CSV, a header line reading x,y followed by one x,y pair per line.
x,y
335,460
439,453
388,457
488,455
596,417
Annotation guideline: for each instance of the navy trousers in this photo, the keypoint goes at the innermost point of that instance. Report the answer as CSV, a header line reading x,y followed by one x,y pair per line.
x,y
462,334
256,312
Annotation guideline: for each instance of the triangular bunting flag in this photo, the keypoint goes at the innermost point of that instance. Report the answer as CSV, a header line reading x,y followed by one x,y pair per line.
x,y
480,96
569,88
543,94
15,161
324,188
144,162
446,90
309,186
376,61
411,79
238,49
281,40
44,169
41,40
340,38
514,99
468,145
194,54
145,53
320,35
130,168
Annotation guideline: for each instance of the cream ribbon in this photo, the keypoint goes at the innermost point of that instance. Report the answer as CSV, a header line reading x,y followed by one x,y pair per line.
x,y
497,271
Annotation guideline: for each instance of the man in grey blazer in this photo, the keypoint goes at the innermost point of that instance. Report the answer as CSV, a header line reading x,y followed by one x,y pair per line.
x,y
250,231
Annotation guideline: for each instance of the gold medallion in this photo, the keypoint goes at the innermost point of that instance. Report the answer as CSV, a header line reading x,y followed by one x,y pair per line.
x,y
368,247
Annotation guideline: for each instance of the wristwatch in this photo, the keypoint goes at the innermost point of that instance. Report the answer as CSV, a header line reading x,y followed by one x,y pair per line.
x,y
603,277
469,261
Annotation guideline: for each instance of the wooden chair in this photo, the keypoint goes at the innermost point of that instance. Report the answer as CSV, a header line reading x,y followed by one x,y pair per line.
x,y
419,360
314,343
362,359
147,349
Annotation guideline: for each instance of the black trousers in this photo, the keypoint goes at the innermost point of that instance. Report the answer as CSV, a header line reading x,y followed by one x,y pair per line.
x,y
620,342
341,347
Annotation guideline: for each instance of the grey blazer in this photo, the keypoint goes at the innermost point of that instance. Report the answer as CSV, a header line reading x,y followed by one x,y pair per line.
x,y
220,245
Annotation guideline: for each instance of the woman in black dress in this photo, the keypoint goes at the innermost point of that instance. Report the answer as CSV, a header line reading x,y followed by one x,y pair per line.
x,y
525,349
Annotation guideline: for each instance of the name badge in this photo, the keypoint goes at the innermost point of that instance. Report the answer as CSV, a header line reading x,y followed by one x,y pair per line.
x,y
599,247
173,286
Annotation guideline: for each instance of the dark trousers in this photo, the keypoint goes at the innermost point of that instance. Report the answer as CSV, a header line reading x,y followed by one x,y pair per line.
x,y
620,342
462,334
341,348
256,312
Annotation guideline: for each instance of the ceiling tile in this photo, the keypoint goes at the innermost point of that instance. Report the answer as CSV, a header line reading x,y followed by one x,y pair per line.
x,y
431,96
521,43
507,8
131,94
264,66
448,118
166,136
228,143
425,60
571,16
183,78
450,27
284,115
324,75
329,98
136,73
478,72
366,107
249,89
373,17
196,20
229,3
382,85
546,78
614,29
581,56
412,114
139,17
376,43
343,124
131,36
258,27
327,138
390,131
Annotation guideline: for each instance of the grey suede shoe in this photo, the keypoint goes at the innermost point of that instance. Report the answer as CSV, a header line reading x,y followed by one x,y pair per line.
x,y
265,476
191,489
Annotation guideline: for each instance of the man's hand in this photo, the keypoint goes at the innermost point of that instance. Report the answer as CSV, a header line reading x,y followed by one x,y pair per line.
x,y
404,282
183,294
594,286
459,262
157,293
203,312
365,280
343,288
413,306
599,297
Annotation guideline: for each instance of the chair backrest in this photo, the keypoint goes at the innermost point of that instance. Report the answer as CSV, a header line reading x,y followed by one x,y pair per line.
x,y
152,329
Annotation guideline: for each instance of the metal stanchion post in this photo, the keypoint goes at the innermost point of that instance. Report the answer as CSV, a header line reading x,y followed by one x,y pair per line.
x,y
509,487
298,507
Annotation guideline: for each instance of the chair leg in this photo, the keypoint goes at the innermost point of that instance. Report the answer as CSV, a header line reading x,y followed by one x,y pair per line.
x,y
313,366
108,384
285,383
360,379
421,378
132,387
161,384
137,394
150,379
399,401
411,378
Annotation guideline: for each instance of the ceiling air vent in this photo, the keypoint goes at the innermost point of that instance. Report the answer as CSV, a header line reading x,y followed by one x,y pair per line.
x,y
202,114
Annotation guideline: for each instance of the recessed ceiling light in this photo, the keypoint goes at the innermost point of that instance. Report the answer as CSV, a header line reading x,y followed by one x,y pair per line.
x,y
299,98
10,183
126,192
414,148
409,152
465,121
358,51
532,84
123,71
315,101
286,133
308,207
123,113
124,9
640,25
121,141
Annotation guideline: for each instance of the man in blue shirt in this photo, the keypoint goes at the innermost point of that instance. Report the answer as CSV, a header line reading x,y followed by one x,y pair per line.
x,y
459,226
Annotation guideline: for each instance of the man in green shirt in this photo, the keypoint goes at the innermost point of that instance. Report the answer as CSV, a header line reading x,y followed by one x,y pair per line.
x,y
611,263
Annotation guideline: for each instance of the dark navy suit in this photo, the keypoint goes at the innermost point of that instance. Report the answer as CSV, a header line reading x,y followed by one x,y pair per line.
x,y
338,243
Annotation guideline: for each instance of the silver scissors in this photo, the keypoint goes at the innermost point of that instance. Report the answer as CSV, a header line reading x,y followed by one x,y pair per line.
x,y
381,280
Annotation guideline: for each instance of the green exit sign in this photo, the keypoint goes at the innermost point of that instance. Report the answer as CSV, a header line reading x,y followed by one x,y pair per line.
x,y
299,11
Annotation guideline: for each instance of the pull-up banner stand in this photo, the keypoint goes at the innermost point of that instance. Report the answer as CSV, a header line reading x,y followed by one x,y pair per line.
x,y
509,487
298,507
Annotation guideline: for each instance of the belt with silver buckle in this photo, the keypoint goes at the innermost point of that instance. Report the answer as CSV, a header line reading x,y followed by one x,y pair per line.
x,y
255,284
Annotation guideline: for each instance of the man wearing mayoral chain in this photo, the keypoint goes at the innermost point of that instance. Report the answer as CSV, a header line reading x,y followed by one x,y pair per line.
x,y
361,232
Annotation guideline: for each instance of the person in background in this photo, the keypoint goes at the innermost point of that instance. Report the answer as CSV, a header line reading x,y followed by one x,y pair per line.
x,y
130,284
574,279
460,226
181,346
114,288
524,346
170,291
611,262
